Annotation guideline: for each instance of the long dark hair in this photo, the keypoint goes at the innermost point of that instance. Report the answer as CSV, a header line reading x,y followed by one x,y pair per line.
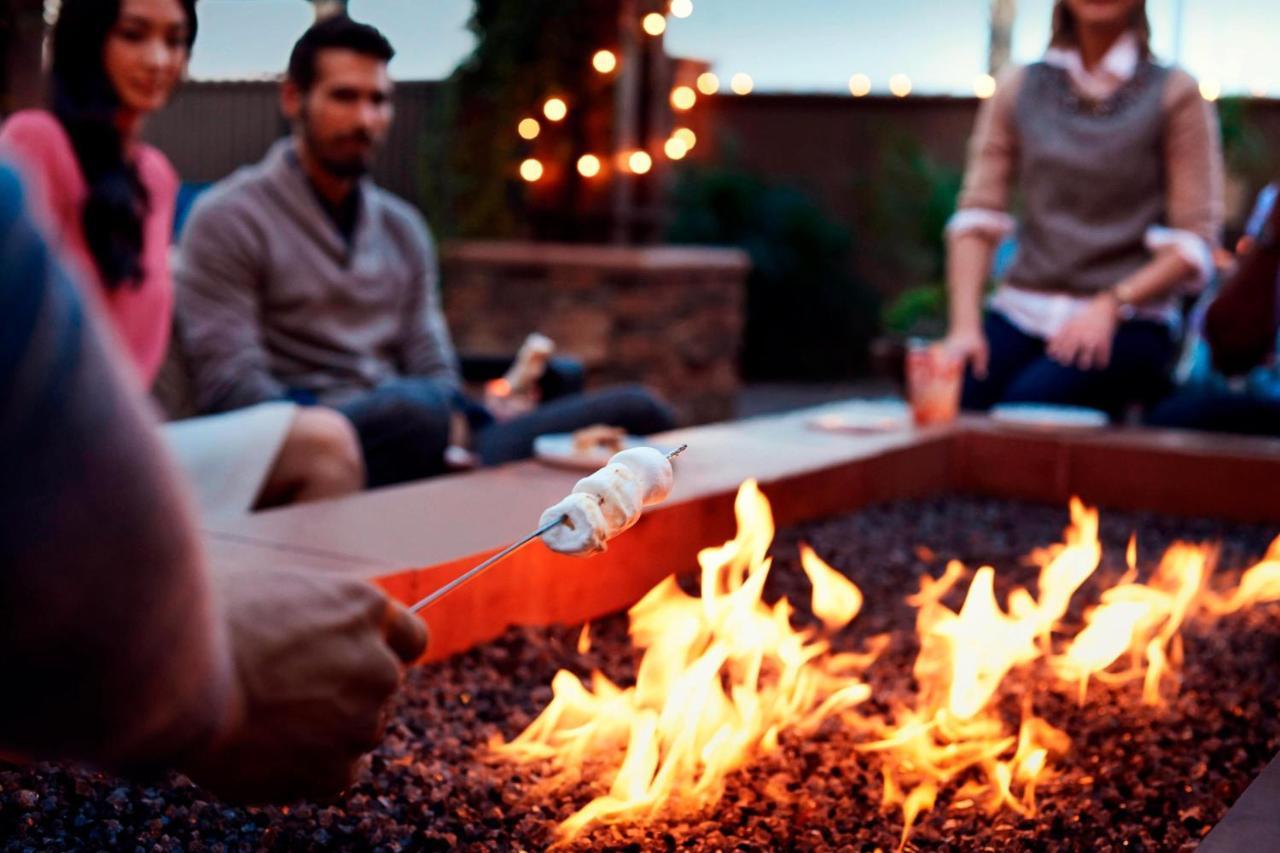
x,y
86,104
1066,34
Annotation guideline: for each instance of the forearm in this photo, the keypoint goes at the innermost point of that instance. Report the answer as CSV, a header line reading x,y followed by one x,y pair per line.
x,y
969,257
106,621
1156,280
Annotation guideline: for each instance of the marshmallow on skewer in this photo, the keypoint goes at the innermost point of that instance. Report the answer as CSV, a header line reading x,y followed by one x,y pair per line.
x,y
609,501
583,530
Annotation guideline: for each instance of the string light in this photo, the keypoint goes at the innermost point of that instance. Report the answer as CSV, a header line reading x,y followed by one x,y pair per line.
x,y
683,98
639,162
675,149
708,83
859,85
604,61
681,8
528,128
1210,90
588,165
531,170
742,84
654,24
555,109
900,85
984,86
687,136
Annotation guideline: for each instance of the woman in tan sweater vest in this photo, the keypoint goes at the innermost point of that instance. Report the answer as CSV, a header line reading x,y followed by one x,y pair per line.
x,y
1117,166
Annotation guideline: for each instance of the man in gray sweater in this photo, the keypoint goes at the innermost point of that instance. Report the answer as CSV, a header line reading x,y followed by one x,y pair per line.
x,y
300,279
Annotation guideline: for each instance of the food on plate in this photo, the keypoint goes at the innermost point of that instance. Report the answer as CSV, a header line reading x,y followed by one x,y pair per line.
x,y
599,437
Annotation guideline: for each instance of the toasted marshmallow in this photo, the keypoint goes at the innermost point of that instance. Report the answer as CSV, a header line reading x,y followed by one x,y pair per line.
x,y
653,470
583,532
611,499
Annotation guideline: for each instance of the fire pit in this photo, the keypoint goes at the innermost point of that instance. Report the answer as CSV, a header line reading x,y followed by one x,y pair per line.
x,y
1133,775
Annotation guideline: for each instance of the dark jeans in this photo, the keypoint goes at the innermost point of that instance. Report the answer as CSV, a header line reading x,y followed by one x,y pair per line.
x,y
1019,371
404,425
1218,411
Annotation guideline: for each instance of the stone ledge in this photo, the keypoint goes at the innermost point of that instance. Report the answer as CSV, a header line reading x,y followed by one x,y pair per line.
x,y
604,258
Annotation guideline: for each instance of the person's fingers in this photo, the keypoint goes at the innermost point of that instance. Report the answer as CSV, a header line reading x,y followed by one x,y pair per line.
x,y
1084,358
406,633
1104,354
981,357
1056,347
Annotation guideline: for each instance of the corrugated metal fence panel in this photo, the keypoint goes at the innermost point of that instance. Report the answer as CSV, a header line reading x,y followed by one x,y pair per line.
x,y
212,128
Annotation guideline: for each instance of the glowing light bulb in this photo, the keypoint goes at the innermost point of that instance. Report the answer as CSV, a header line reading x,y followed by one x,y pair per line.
x,y
1210,90
708,83
604,61
900,85
639,162
683,98
654,24
675,149
859,85
687,136
588,165
984,86
681,8
531,170
528,128
555,109
742,84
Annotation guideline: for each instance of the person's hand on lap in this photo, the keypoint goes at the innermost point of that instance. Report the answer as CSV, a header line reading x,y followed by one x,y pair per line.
x,y
1085,341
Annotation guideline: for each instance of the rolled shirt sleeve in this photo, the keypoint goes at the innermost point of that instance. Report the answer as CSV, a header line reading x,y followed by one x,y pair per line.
x,y
991,169
1195,174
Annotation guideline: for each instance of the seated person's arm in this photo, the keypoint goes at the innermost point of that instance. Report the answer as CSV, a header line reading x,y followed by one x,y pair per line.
x,y
1183,252
426,347
109,642
1240,325
218,281
982,219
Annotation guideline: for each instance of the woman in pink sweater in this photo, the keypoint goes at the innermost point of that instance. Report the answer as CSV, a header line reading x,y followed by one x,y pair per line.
x,y
106,201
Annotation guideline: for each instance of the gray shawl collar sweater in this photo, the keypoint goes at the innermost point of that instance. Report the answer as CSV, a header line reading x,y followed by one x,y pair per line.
x,y
273,301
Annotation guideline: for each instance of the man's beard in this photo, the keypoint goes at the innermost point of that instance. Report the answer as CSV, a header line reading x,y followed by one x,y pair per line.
x,y
352,166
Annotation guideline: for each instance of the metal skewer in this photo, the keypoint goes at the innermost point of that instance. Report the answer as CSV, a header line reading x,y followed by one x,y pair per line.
x,y
502,555
496,558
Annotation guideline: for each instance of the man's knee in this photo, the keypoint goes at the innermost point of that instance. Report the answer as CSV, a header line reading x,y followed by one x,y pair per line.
x,y
424,413
637,409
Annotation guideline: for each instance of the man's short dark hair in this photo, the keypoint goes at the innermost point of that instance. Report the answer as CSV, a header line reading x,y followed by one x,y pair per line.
x,y
337,31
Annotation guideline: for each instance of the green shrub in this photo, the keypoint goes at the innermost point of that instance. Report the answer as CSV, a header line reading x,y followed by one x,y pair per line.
x,y
807,316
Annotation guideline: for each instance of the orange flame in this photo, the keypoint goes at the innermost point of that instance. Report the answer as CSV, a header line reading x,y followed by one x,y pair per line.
x,y
721,677
724,674
836,601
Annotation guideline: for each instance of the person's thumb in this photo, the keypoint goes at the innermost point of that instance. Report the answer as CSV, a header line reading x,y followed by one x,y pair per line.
x,y
406,633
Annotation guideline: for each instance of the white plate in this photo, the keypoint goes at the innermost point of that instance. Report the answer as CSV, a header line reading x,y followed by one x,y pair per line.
x,y
1042,416
863,416
557,449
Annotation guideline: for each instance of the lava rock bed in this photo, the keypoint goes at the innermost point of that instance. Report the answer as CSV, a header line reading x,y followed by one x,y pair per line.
x,y
1136,778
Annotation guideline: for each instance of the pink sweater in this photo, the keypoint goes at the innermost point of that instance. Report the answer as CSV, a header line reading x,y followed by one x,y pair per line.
x,y
142,315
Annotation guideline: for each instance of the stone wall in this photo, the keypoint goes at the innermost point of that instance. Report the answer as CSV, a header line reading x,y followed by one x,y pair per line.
x,y
668,317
